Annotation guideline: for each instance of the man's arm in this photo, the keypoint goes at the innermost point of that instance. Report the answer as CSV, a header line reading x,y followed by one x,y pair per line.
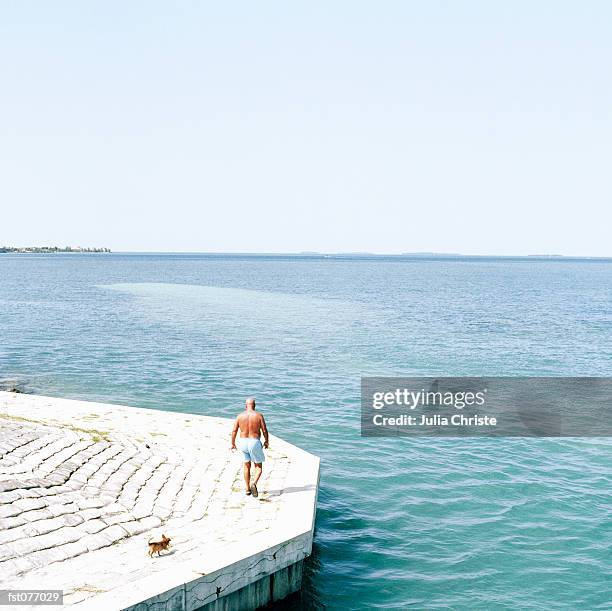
x,y
264,430
234,433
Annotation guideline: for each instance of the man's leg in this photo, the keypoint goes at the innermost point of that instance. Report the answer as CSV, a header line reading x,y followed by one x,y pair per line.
x,y
247,475
258,470
257,476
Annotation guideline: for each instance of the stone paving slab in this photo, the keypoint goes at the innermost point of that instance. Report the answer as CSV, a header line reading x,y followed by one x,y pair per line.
x,y
84,486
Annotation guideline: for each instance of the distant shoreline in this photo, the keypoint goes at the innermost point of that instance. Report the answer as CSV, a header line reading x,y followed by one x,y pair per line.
x,y
50,249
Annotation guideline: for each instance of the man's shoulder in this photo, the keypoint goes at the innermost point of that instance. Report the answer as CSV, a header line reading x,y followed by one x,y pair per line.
x,y
247,415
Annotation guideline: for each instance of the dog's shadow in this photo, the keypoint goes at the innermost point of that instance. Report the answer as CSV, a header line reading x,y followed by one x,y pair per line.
x,y
164,554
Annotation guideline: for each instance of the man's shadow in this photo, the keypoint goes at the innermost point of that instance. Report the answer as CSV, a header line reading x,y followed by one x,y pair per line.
x,y
289,490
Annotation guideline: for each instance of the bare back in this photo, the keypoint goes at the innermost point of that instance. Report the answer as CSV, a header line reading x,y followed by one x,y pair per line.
x,y
251,424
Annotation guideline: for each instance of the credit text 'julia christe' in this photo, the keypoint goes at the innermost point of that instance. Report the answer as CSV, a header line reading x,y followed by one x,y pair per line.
x,y
433,420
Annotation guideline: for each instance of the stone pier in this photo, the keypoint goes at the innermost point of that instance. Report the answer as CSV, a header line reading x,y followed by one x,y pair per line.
x,y
84,486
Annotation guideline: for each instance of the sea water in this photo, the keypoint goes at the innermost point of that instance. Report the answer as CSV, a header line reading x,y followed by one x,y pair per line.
x,y
401,523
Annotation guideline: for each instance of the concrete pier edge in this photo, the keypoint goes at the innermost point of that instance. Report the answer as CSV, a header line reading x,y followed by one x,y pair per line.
x,y
245,572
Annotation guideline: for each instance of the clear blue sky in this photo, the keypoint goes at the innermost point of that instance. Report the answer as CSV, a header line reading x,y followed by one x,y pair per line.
x,y
474,127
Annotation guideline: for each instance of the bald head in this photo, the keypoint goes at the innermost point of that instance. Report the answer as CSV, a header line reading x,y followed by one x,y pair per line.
x,y
250,403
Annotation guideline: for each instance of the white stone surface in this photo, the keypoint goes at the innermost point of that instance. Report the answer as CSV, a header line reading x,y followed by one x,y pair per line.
x,y
81,494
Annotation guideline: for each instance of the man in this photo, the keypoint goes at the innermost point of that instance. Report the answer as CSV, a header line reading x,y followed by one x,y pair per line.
x,y
251,424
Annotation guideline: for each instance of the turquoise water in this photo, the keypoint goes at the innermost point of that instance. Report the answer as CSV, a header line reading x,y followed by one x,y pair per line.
x,y
402,523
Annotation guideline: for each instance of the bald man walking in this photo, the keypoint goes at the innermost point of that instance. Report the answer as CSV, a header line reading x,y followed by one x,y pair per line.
x,y
251,425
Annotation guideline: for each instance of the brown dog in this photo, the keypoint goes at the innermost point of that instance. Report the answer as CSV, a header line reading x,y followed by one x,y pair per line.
x,y
158,546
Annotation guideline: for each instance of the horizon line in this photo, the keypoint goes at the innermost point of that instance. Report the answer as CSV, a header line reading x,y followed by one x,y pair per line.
x,y
362,254
304,253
